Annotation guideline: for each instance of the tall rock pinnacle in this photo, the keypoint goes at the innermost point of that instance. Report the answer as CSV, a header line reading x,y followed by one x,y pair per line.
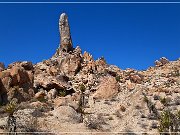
x,y
65,35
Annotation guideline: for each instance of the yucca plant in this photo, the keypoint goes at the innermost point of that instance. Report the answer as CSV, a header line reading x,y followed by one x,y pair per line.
x,y
165,121
11,107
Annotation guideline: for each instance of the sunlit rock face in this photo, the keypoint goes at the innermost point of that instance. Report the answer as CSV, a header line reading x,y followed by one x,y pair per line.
x,y
65,36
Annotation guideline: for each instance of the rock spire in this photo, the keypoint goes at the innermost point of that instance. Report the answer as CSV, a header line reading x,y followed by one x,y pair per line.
x,y
65,36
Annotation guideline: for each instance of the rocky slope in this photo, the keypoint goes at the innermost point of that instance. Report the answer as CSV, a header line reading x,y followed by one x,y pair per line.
x,y
73,93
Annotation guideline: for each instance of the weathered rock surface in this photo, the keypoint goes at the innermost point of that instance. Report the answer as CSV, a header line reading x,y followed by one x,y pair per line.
x,y
21,77
66,114
70,64
65,36
107,88
6,78
16,81
161,62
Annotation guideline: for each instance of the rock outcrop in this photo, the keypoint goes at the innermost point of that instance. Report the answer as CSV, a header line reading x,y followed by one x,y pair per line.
x,y
65,35
73,92
70,64
17,80
66,114
161,62
107,88
2,67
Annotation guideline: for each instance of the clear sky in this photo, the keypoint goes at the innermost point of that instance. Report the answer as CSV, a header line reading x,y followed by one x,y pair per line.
x,y
127,35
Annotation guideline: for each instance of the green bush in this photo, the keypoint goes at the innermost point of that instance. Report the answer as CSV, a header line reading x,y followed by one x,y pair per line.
x,y
82,88
42,99
169,122
62,93
165,121
164,101
118,78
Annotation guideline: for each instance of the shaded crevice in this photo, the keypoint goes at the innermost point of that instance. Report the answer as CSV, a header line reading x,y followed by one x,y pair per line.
x,y
3,99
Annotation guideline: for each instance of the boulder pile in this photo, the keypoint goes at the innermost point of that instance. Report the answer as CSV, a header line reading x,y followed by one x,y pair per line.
x,y
73,92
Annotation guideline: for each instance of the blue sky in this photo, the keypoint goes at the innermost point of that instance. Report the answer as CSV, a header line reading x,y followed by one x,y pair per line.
x,y
127,35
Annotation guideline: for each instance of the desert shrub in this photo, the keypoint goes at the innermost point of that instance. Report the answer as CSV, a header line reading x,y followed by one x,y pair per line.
x,y
118,78
42,99
122,108
165,121
82,87
164,101
62,93
169,122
